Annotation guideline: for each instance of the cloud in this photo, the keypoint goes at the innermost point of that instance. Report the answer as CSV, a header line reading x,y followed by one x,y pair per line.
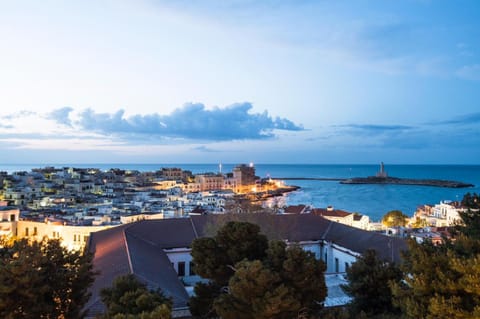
x,y
61,115
19,114
375,129
192,121
204,149
469,72
471,118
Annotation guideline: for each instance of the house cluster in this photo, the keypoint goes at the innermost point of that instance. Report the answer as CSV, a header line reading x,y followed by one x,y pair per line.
x,y
340,216
432,222
444,214
158,252
70,203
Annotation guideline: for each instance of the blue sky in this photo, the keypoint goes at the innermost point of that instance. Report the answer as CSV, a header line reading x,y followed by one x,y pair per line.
x,y
154,81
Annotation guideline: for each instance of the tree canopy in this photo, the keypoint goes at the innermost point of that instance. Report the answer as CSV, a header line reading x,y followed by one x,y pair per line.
x,y
394,218
442,281
253,278
128,298
369,280
471,201
215,257
42,279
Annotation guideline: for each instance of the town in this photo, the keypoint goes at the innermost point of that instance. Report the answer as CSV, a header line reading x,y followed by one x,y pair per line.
x,y
71,203
90,208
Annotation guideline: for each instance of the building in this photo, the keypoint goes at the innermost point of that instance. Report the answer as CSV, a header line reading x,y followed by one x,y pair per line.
x,y
244,176
343,217
444,214
8,216
158,251
73,237
209,182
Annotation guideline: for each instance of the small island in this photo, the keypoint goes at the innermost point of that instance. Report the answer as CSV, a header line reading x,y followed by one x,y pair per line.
x,y
382,178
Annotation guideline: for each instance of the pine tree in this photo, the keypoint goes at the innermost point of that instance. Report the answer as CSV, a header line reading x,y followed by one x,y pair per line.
x,y
130,299
369,280
43,280
250,280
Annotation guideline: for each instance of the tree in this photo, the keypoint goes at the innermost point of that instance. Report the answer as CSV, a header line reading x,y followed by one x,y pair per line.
x,y
440,281
42,279
214,258
471,201
128,298
287,283
394,218
369,281
274,282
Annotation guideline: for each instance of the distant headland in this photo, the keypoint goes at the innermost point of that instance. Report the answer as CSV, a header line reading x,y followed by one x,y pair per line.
x,y
382,178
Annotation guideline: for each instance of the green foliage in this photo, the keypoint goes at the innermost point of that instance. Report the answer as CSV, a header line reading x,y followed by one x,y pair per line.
x,y
470,225
215,257
344,313
251,278
440,281
419,223
369,281
256,292
471,201
394,218
201,304
289,282
130,299
43,280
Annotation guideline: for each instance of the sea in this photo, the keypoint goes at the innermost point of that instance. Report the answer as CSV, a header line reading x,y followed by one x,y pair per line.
x,y
371,200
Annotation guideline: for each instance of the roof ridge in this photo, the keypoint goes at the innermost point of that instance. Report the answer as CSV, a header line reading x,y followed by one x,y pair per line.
x,y
128,252
194,228
327,230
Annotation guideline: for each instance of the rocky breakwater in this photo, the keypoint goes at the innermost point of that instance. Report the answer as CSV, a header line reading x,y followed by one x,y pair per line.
x,y
405,181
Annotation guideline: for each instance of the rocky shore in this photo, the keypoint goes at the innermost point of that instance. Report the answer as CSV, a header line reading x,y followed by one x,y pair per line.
x,y
405,181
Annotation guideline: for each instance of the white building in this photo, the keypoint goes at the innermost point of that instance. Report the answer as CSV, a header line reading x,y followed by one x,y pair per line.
x,y
158,251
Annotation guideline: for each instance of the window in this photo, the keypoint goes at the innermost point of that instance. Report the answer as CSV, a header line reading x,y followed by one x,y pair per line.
x,y
12,217
192,269
181,268
26,231
346,266
35,232
336,265
85,239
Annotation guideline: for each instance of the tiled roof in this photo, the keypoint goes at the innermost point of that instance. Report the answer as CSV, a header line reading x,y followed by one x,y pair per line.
x,y
295,209
330,213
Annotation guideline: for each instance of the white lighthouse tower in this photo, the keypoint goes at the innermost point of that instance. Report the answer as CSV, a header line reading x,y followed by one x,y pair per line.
x,y
382,173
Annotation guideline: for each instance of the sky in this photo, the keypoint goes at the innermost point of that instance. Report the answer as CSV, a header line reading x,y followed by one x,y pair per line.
x,y
239,81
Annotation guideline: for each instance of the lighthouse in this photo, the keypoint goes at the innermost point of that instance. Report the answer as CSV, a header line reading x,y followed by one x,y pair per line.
x,y
382,172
